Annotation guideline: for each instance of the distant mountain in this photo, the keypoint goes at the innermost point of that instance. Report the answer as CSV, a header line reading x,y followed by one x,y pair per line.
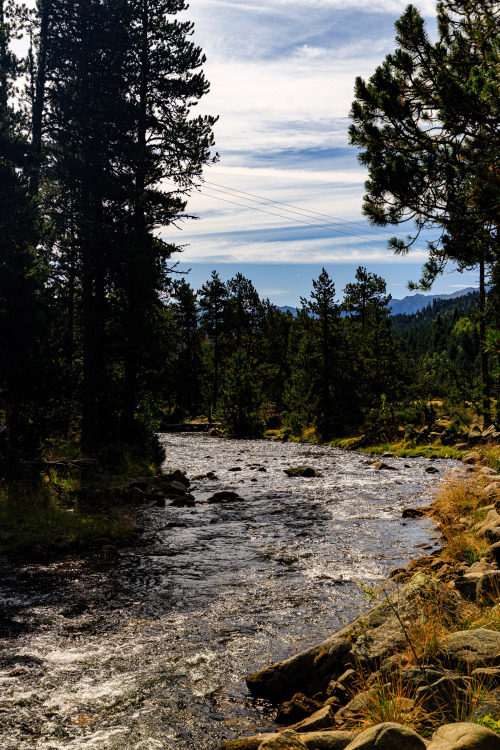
x,y
409,305
416,302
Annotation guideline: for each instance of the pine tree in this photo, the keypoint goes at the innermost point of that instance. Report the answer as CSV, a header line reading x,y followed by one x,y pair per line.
x,y
213,303
325,309
427,124
22,303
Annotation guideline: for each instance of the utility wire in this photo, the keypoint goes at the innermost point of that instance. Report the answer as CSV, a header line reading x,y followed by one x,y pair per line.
x,y
296,209
304,212
291,218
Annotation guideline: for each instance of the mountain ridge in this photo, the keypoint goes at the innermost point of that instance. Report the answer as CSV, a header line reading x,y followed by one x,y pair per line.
x,y
410,304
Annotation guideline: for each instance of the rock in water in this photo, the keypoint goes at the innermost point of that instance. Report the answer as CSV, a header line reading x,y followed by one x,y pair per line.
x,y
302,471
381,466
298,708
369,639
225,496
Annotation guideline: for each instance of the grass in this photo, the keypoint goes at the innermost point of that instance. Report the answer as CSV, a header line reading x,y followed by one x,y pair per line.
x,y
457,498
46,517
389,700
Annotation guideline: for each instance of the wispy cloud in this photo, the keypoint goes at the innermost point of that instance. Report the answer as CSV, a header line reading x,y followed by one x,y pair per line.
x,y
282,79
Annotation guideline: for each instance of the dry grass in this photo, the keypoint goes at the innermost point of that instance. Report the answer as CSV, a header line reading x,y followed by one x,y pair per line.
x,y
456,498
389,700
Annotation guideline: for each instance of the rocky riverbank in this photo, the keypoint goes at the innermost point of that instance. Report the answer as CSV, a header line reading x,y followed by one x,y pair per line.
x,y
423,664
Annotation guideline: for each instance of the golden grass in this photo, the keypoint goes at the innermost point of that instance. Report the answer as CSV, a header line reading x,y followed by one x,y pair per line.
x,y
457,498
389,700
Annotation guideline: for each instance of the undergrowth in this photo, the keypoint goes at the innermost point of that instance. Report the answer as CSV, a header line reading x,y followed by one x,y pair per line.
x,y
45,516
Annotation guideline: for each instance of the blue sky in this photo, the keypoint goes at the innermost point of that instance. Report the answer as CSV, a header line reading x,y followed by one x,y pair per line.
x,y
282,77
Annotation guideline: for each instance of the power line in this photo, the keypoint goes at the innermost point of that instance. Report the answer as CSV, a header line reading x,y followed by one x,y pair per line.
x,y
291,218
296,209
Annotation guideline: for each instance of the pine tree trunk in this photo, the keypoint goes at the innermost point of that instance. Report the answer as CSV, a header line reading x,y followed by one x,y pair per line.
x,y
39,98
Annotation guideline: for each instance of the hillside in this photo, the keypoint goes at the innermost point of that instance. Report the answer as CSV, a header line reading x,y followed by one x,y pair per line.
x,y
446,306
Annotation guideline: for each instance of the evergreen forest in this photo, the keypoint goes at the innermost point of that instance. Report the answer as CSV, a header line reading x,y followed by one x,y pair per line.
x,y
102,342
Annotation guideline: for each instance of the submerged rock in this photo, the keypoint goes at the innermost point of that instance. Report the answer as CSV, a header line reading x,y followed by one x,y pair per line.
x,y
224,496
302,471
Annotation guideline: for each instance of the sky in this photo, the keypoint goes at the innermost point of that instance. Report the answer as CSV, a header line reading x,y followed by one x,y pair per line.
x,y
282,76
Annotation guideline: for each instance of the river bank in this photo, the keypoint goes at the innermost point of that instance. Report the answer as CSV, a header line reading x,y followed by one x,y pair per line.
x,y
425,657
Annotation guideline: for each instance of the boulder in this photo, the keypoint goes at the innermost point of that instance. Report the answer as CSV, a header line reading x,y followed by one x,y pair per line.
x,y
460,446
246,743
432,470
322,740
493,534
322,719
296,709
412,513
179,476
491,490
381,466
448,689
302,471
309,671
491,520
466,650
488,705
328,740
487,471
466,587
343,686
464,736
286,740
488,585
479,567
388,736
183,501
174,488
493,552
364,643
358,707
471,458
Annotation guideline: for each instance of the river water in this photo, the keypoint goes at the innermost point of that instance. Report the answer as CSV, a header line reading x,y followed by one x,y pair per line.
x,y
147,648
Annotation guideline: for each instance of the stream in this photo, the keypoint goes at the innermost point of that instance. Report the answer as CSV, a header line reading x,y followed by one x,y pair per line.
x,y
148,648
